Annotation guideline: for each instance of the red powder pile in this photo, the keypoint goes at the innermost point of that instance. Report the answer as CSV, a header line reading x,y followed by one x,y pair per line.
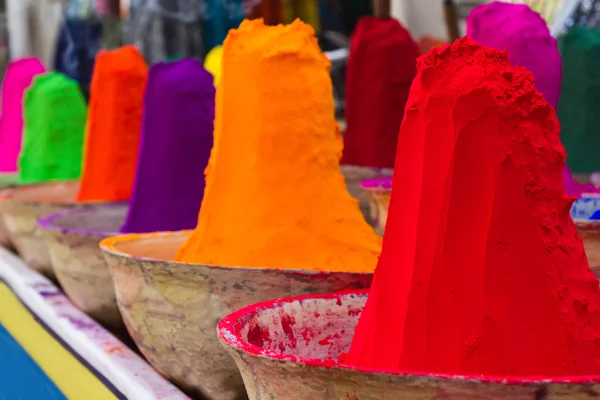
x,y
482,271
381,67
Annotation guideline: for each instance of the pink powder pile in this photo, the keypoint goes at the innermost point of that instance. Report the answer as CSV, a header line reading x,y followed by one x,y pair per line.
x,y
18,78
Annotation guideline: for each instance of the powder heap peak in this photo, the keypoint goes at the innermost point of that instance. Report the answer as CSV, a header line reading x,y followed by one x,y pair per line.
x,y
482,270
275,196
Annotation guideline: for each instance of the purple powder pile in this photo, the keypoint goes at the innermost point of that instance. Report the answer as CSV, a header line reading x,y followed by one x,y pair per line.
x,y
523,32
177,137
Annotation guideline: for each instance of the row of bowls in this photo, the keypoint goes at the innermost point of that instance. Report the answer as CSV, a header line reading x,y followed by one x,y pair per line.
x,y
171,309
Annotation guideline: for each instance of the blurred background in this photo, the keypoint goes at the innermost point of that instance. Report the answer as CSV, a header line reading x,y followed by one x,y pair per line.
x,y
66,34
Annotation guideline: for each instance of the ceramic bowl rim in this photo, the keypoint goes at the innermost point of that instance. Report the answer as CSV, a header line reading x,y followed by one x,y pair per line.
x,y
231,338
109,246
6,197
47,222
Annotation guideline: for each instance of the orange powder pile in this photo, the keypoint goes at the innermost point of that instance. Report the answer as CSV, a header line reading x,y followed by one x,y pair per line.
x,y
113,128
275,196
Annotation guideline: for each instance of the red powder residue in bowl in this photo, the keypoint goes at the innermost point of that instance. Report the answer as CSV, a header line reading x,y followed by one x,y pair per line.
x,y
482,271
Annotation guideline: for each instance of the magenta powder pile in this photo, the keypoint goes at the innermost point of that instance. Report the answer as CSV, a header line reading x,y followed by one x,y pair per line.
x,y
522,32
525,35
18,78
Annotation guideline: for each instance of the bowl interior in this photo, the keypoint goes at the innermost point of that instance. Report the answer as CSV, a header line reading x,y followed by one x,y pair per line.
x,y
61,192
585,208
158,246
103,220
308,328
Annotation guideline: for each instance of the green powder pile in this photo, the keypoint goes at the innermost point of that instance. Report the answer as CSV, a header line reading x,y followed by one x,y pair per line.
x,y
54,114
580,98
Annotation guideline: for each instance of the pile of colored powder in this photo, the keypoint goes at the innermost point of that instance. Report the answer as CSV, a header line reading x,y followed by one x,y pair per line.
x,y
525,35
18,78
270,11
576,188
275,196
54,117
490,278
580,98
114,125
380,69
212,63
177,136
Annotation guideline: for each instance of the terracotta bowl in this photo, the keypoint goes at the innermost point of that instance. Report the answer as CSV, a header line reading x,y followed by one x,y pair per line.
x,y
171,309
288,349
354,176
378,192
21,207
582,212
72,237
6,181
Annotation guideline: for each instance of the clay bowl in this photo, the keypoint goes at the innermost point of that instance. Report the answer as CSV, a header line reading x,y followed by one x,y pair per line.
x,y
171,309
6,181
354,176
21,207
588,227
378,192
72,237
288,349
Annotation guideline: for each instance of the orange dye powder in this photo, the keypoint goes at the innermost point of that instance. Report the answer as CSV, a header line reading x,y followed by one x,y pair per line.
x,y
114,124
275,196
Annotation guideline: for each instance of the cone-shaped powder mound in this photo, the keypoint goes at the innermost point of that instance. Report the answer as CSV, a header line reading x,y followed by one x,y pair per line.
x,y
525,35
114,125
54,116
177,136
580,98
381,67
275,196
18,77
482,271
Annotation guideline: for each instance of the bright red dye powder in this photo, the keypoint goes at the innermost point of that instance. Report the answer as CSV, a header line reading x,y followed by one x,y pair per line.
x,y
482,270
381,67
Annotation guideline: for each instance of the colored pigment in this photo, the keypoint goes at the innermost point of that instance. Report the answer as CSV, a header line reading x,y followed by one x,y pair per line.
x,y
525,35
270,11
177,136
488,278
580,98
54,117
275,196
380,69
18,77
575,188
114,125
212,63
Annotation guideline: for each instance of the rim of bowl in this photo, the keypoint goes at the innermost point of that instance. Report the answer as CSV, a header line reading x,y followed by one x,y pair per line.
x,y
47,222
5,194
228,336
386,170
109,245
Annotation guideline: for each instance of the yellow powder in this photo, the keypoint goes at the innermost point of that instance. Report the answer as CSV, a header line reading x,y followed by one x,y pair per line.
x,y
275,196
